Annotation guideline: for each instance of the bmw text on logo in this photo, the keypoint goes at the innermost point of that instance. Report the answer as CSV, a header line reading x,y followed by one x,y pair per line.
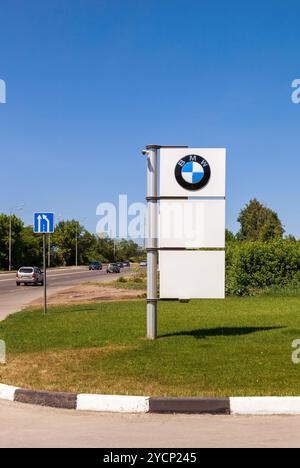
x,y
192,172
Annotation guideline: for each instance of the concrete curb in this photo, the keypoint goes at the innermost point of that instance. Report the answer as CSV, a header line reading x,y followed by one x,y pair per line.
x,y
132,404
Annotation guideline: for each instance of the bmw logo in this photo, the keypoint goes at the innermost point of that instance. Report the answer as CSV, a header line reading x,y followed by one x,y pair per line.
x,y
192,172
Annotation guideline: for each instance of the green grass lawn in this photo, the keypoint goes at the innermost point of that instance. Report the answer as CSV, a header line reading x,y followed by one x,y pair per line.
x,y
240,346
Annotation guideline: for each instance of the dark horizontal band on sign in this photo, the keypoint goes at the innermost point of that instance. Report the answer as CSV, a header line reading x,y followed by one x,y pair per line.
x,y
148,147
175,249
184,249
168,300
206,198
190,405
165,198
184,198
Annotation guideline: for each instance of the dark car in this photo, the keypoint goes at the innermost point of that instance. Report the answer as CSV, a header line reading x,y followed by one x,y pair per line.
x,y
120,264
113,268
95,265
126,264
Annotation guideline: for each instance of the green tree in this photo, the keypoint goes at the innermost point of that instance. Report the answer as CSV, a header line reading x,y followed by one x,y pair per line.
x,y
259,223
229,236
32,247
64,241
16,246
104,249
127,249
291,238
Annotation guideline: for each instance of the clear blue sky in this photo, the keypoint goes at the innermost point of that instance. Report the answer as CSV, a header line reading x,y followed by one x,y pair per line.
x,y
90,82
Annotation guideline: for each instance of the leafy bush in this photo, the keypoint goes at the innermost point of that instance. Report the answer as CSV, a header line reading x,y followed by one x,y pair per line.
x,y
122,280
137,279
255,266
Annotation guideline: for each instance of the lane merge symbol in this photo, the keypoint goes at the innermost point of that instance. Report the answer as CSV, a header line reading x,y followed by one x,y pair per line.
x,y
43,223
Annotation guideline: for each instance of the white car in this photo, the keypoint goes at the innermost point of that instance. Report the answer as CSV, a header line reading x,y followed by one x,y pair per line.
x,y
30,275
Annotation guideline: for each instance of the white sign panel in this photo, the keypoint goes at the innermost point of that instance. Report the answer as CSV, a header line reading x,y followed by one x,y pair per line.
x,y
192,223
192,274
192,172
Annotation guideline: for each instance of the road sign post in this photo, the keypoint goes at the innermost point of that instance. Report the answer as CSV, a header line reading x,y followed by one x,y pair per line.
x,y
43,223
45,273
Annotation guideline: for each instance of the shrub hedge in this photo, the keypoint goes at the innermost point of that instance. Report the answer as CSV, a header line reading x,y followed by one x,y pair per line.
x,y
255,266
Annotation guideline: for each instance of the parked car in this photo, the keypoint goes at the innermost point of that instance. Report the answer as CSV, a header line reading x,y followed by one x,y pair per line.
x,y
30,275
95,265
120,264
143,264
126,264
113,268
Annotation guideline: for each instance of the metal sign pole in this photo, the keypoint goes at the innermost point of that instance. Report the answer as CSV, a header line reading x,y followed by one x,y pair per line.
x,y
152,241
45,273
49,250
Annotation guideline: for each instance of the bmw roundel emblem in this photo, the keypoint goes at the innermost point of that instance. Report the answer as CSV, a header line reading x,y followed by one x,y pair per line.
x,y
192,172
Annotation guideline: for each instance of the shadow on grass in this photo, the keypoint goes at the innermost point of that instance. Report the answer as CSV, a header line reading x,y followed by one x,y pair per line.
x,y
226,331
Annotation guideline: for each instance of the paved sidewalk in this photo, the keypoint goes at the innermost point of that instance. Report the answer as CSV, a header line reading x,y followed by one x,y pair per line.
x,y
28,426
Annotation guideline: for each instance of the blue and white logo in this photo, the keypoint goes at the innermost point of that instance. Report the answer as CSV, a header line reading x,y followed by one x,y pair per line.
x,y
192,172
43,223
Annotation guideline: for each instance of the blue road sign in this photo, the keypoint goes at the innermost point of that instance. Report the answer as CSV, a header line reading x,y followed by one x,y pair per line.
x,y
43,223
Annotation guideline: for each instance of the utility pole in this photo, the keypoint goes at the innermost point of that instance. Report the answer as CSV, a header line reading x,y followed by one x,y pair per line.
x,y
19,207
76,247
9,242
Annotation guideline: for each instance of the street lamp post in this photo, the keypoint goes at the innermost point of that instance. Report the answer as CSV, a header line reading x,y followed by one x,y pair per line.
x,y
76,247
76,238
19,207
9,242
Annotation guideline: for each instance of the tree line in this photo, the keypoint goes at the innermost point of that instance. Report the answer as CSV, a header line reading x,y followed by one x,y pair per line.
x,y
27,247
258,223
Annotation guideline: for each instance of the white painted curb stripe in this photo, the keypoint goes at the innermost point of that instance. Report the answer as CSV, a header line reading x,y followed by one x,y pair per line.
x,y
7,392
265,405
113,403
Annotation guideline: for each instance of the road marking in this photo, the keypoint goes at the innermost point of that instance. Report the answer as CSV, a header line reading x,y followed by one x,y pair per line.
x,y
53,276
55,270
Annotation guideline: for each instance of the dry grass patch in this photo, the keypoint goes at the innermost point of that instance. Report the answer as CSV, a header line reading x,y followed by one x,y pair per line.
x,y
62,370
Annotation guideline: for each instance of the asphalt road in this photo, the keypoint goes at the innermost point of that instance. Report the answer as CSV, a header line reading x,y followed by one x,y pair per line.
x,y
13,298
29,426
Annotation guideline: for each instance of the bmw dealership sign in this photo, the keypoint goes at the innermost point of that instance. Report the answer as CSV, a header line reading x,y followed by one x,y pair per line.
x,y
192,223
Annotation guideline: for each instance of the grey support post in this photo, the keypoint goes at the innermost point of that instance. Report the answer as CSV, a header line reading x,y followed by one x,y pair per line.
x,y
45,273
152,241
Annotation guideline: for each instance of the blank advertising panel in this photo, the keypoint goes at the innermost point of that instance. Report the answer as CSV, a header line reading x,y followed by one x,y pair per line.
x,y
192,172
192,223
192,274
